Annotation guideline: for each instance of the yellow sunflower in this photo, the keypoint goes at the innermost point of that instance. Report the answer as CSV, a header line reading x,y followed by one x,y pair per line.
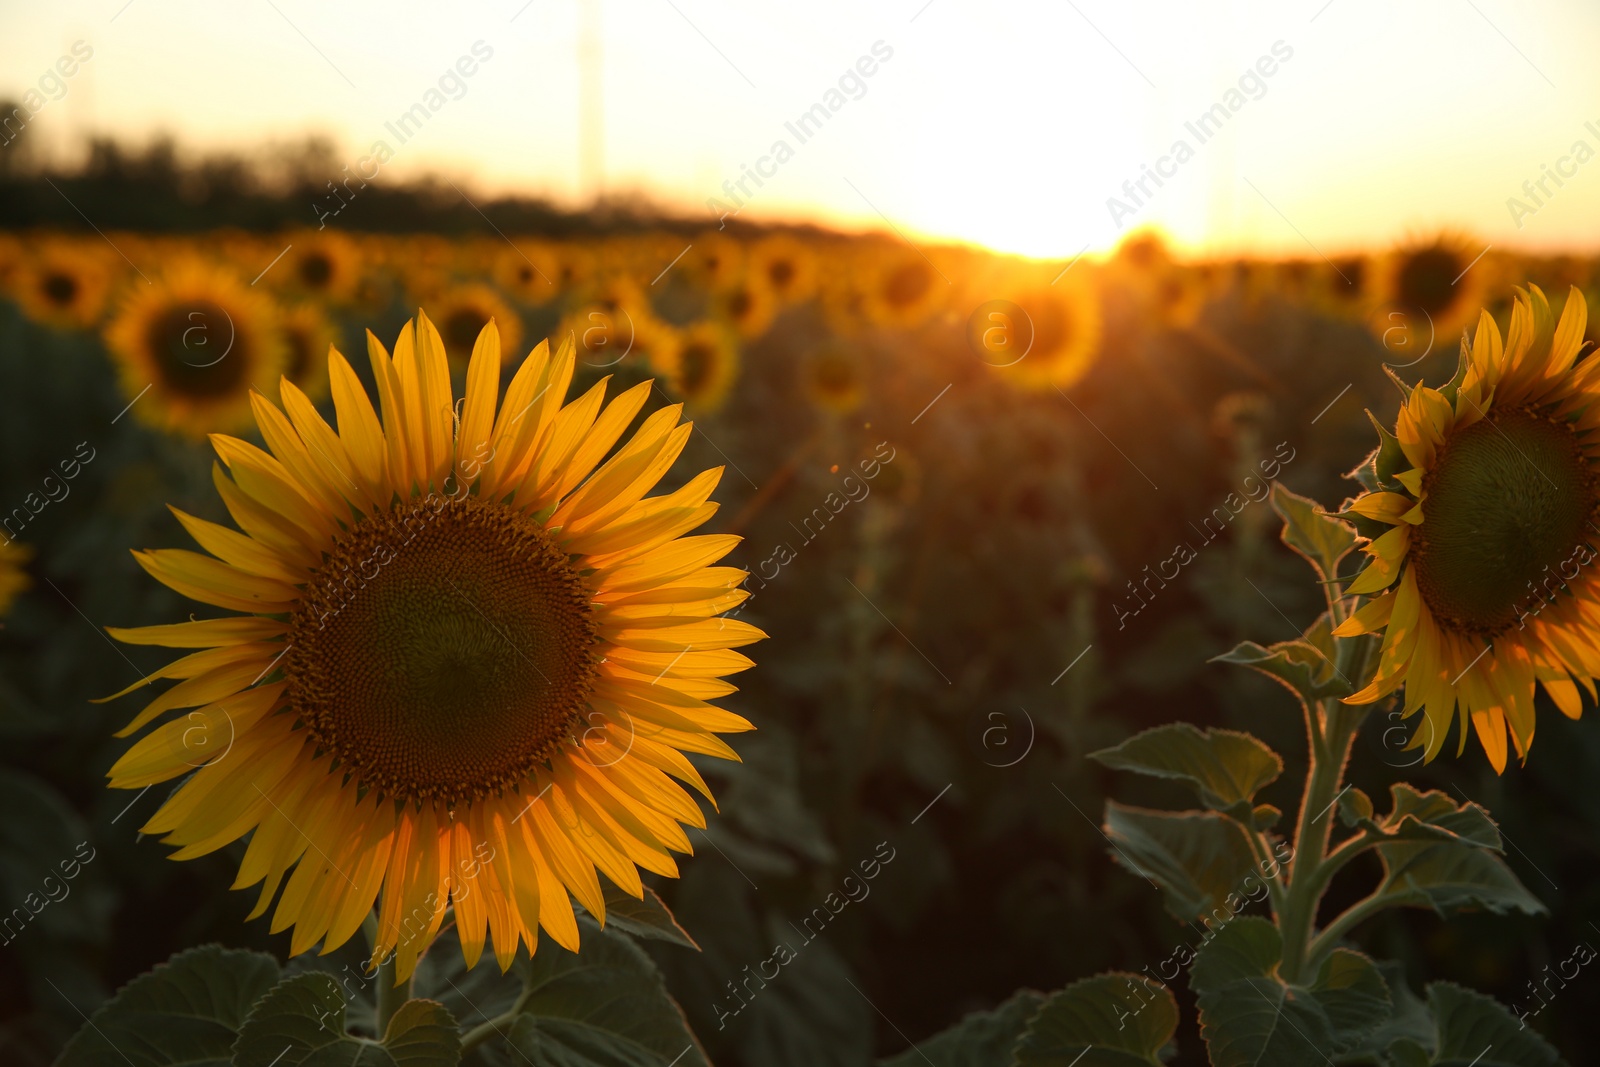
x,y
464,310
190,347
13,579
64,285
1483,584
307,335
902,289
833,377
701,364
321,263
466,657
609,321
786,266
1061,333
529,271
1443,280
713,261
747,306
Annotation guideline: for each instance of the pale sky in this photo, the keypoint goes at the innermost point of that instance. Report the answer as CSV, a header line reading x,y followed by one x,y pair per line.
x,y
1003,124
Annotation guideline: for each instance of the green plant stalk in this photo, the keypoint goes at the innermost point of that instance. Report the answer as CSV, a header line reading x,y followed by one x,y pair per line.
x,y
1329,750
1358,912
389,995
490,1027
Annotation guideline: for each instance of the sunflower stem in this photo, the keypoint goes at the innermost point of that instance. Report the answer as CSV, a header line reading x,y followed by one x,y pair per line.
x,y
489,1027
1307,881
390,994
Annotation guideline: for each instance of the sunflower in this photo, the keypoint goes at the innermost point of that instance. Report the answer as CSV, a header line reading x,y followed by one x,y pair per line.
x,y
320,263
466,661
713,261
609,321
833,379
786,266
307,336
464,310
902,289
1485,497
1063,326
529,271
1444,280
64,285
701,364
198,339
747,306
13,579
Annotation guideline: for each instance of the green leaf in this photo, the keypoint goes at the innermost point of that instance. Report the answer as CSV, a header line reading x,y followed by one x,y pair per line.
x,y
1355,807
1305,669
1433,816
1376,472
1322,539
648,918
982,1039
300,1023
1110,1020
1390,459
1478,1030
605,1006
1266,816
1225,767
1202,861
185,1011
1408,1022
1353,993
1451,876
1249,1017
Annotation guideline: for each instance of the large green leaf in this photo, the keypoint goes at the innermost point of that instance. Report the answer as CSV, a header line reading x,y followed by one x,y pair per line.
x,y
1110,1020
186,1011
1249,1017
1300,666
982,1039
1322,539
648,918
1202,861
605,1006
300,1023
1226,768
1419,816
1477,1030
1450,876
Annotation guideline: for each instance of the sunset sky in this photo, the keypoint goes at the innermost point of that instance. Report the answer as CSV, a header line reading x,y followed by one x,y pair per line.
x,y
1008,125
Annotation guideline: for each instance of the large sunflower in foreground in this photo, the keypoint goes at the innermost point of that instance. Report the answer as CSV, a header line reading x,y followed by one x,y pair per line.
x,y
1486,581
465,661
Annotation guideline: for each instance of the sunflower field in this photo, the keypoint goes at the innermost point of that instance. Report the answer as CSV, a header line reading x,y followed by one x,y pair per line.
x,y
499,636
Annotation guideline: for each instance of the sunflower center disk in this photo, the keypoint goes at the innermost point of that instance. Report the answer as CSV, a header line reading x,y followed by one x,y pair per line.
x,y
198,352
444,650
1508,505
